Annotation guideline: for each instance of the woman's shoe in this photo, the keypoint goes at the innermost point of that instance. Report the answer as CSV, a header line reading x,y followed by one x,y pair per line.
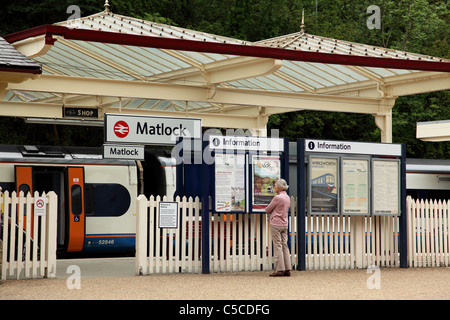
x,y
287,273
277,274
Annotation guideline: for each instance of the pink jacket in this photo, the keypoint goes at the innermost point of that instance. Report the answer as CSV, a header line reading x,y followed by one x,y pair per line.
x,y
278,209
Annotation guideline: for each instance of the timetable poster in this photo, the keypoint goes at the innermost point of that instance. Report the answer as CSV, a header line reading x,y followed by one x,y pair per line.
x,y
323,183
355,184
230,182
386,187
266,171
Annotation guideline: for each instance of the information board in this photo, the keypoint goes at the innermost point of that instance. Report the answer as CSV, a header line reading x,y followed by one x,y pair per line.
x,y
229,182
355,185
385,186
352,178
324,184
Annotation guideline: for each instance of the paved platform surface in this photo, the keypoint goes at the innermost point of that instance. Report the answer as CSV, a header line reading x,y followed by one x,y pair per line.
x,y
115,279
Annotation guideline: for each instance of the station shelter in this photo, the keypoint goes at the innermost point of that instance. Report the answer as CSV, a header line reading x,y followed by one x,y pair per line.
x,y
118,64
110,63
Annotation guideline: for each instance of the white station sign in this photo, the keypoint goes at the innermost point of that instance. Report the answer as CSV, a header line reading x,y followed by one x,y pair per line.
x,y
246,143
150,130
346,147
125,152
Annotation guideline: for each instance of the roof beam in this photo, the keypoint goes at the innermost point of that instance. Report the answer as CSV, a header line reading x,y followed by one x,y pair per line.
x,y
34,46
54,111
221,71
164,91
428,82
433,131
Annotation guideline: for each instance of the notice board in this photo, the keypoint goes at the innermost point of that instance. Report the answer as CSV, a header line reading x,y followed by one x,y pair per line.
x,y
229,182
353,178
323,184
355,186
385,186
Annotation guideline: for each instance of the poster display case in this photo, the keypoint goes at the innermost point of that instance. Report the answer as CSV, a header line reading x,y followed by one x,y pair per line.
x,y
324,185
352,178
266,170
245,170
355,186
386,187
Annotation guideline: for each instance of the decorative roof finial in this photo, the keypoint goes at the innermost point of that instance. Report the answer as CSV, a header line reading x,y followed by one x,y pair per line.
x,y
106,6
302,27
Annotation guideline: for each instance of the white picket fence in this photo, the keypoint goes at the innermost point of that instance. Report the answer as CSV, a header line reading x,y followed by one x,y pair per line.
x,y
348,242
238,242
242,242
28,241
428,233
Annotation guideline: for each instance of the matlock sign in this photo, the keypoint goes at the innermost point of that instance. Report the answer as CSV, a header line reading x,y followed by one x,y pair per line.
x,y
120,128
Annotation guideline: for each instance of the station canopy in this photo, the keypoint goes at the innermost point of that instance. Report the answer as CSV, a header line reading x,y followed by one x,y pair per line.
x,y
120,64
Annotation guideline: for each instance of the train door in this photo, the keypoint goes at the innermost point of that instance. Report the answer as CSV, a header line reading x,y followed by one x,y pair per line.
x,y
24,182
76,221
68,184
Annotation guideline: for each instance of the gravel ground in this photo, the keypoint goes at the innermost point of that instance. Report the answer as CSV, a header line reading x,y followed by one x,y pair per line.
x,y
403,284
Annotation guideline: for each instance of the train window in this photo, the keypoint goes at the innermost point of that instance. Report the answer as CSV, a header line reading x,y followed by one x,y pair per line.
x,y
77,203
89,200
107,199
7,186
25,188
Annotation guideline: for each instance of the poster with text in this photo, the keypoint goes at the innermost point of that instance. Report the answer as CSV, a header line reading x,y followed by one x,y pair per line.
x,y
168,215
229,182
355,185
386,187
266,171
323,185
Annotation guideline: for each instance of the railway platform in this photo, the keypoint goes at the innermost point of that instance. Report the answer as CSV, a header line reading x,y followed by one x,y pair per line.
x,y
114,279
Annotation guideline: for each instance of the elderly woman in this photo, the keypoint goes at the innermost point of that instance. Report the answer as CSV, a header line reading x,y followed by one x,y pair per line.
x,y
278,209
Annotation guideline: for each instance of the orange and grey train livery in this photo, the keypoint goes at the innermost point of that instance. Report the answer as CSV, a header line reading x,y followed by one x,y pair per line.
x,y
96,197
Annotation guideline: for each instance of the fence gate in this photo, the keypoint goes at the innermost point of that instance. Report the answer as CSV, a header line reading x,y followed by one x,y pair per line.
x,y
28,235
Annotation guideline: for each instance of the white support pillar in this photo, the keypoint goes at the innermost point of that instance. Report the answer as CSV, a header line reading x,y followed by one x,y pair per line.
x,y
262,119
383,118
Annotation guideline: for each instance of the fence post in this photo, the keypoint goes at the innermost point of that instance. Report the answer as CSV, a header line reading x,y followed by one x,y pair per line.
x,y
6,200
403,219
51,234
141,235
301,211
357,237
409,229
205,175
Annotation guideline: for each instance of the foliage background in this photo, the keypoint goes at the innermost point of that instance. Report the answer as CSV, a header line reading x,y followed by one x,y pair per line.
x,y
420,26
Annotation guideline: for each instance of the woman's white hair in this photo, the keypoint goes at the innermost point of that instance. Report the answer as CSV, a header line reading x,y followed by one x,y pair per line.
x,y
281,183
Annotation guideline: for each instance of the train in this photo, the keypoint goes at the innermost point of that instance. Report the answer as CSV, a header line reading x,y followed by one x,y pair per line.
x,y
96,196
324,183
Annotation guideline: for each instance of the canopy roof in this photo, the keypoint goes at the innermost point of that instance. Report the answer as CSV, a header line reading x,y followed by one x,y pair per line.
x,y
121,64
14,66
12,60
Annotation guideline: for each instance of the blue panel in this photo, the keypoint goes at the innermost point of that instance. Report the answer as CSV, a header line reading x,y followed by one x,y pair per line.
x,y
192,180
109,243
